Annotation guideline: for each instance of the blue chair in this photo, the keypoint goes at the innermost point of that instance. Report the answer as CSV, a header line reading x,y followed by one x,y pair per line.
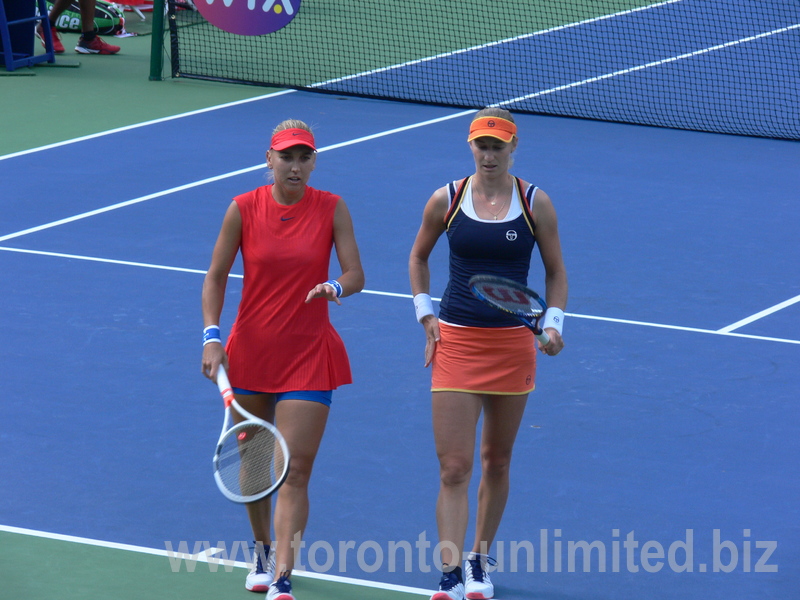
x,y
17,29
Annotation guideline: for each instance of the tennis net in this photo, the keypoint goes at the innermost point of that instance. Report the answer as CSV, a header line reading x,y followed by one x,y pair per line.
x,y
730,66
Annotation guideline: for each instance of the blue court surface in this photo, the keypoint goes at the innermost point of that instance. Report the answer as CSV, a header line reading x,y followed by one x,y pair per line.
x,y
658,457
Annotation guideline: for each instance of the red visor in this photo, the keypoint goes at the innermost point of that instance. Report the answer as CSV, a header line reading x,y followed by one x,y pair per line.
x,y
292,137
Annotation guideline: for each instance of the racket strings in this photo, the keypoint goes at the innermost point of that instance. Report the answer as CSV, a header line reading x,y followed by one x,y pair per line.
x,y
250,460
510,299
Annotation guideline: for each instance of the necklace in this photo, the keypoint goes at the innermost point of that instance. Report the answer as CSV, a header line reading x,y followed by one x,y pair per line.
x,y
499,211
492,203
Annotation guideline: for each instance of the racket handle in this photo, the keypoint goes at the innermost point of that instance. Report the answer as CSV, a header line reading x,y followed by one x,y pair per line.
x,y
543,338
224,386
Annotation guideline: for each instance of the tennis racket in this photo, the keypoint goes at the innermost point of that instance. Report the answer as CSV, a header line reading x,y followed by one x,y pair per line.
x,y
512,298
252,460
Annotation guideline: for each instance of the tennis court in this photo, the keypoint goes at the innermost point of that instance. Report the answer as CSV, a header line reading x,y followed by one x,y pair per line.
x,y
658,455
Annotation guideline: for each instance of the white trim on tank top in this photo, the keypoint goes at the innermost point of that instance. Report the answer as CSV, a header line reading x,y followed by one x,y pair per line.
x,y
468,207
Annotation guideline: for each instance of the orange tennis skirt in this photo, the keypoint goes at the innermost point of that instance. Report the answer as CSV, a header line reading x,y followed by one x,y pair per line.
x,y
484,360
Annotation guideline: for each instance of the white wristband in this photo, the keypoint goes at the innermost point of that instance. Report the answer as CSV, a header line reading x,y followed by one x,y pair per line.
x,y
553,318
423,306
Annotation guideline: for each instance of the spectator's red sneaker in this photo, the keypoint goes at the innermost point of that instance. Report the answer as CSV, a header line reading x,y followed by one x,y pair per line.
x,y
58,47
96,46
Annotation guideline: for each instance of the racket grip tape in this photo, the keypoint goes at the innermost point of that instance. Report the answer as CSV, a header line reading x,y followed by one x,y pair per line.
x,y
543,338
224,386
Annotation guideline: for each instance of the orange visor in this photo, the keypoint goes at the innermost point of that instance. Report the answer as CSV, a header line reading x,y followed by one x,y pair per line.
x,y
292,137
495,127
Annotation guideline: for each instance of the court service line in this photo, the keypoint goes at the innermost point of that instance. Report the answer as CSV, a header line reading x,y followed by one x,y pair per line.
x,y
205,557
92,136
110,261
725,331
208,180
690,329
649,65
760,315
119,205
494,43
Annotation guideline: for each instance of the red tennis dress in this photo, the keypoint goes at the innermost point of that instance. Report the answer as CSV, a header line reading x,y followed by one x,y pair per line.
x,y
278,342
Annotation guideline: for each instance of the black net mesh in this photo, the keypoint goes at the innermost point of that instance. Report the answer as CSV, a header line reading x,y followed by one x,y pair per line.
x,y
729,66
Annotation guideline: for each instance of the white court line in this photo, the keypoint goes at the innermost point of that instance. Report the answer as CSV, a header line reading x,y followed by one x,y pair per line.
x,y
106,209
760,315
726,331
690,329
495,43
194,184
205,557
111,261
656,63
144,124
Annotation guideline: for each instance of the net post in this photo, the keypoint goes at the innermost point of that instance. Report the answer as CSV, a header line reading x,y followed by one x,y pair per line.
x,y
157,42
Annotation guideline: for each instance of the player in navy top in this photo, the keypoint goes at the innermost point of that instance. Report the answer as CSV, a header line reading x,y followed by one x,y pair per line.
x,y
490,247
483,362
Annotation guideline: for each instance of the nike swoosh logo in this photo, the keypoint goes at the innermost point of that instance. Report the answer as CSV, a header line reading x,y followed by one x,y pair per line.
x,y
286,218
294,134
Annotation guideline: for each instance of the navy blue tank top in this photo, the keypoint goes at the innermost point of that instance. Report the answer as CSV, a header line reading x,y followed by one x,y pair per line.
x,y
501,248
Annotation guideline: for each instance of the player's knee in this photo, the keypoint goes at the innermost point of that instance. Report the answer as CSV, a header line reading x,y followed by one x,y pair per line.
x,y
496,463
455,471
299,473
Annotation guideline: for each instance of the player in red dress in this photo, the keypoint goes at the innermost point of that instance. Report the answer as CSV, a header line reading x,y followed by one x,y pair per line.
x,y
283,356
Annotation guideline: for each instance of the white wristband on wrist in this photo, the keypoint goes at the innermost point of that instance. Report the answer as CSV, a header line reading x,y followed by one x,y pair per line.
x,y
553,318
423,306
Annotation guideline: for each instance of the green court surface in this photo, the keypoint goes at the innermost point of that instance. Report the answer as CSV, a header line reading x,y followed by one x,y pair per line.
x,y
82,95
40,566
